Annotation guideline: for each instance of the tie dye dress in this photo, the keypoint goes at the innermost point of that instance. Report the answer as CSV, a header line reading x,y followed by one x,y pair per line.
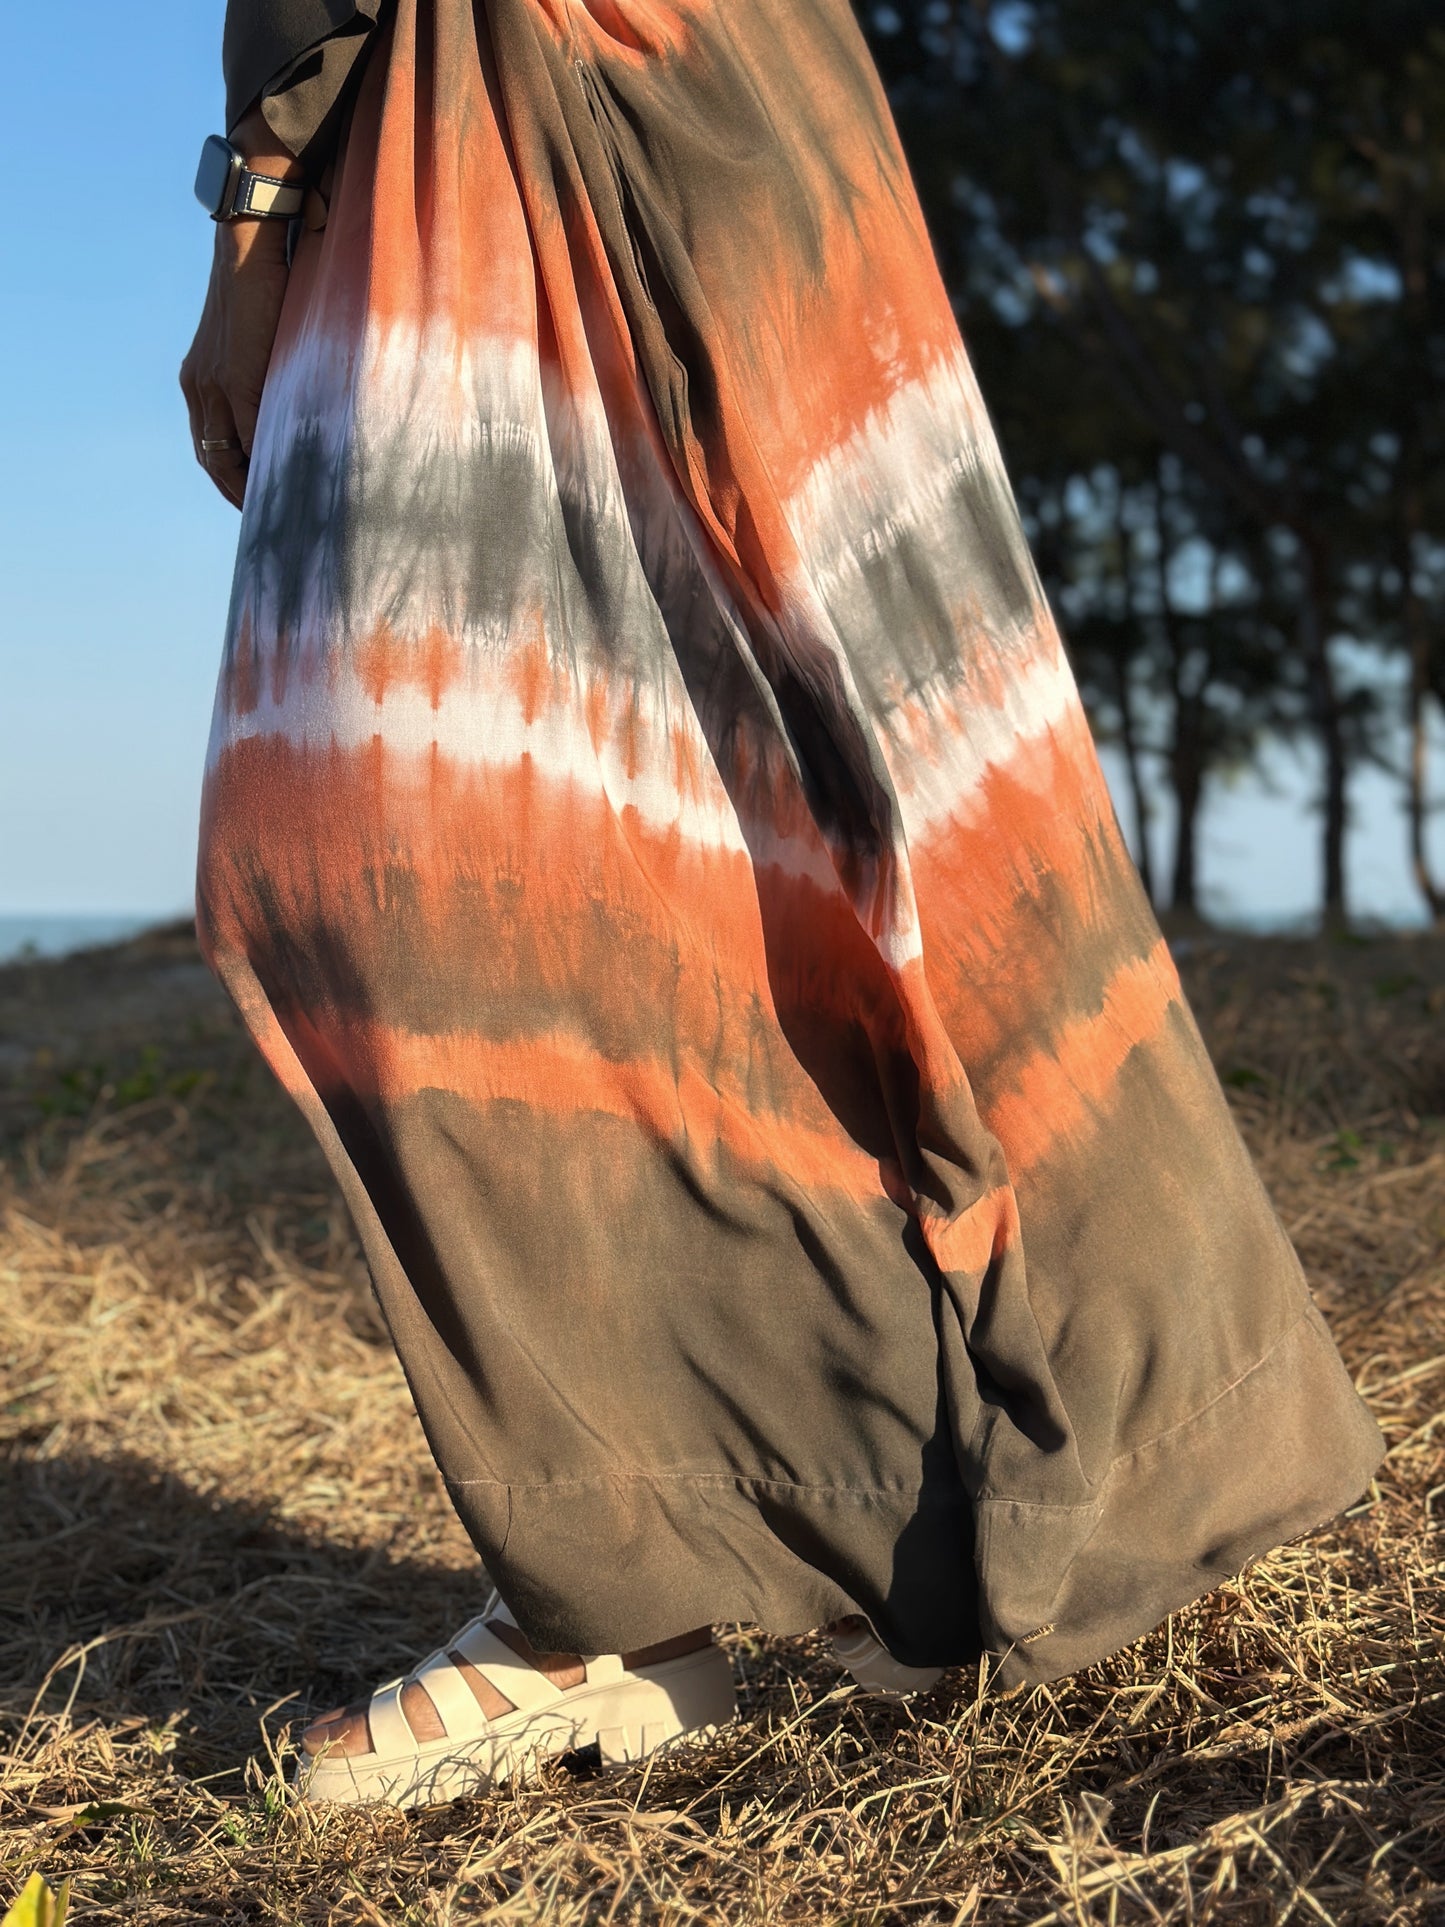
x,y
651,830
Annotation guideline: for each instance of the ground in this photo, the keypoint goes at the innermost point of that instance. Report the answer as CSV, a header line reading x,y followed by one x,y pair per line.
x,y
220,1513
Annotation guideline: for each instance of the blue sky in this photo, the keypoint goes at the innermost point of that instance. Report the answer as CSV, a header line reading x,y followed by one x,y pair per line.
x,y
114,552
116,555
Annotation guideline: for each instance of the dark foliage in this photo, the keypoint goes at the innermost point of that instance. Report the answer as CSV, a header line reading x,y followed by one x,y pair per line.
x,y
1198,251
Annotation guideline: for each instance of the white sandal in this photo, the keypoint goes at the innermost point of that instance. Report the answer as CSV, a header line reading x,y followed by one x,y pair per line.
x,y
627,1713
876,1670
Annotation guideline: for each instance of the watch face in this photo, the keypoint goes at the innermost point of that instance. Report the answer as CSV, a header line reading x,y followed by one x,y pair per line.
x,y
216,175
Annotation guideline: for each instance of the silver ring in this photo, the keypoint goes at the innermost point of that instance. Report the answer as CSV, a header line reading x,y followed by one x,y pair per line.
x,y
223,442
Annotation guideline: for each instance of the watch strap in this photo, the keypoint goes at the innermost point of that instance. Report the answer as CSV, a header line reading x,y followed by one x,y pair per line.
x,y
264,195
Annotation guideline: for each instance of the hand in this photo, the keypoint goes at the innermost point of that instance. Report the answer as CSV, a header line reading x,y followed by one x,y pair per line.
x,y
225,371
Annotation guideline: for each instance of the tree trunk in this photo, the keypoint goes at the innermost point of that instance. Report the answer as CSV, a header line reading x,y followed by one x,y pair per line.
x,y
1417,638
1186,771
1124,696
1413,240
1138,795
1429,888
1186,742
1328,720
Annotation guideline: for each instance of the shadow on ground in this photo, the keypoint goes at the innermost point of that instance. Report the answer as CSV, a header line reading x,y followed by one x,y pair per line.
x,y
172,1590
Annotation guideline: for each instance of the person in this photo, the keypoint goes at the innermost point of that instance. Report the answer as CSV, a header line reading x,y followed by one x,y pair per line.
x,y
651,830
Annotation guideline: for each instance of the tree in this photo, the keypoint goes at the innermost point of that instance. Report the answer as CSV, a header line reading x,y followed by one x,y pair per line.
x,y
1183,237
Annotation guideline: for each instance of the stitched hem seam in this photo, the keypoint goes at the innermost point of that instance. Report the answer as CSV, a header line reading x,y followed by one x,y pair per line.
x,y
875,1492
1161,1440
707,1478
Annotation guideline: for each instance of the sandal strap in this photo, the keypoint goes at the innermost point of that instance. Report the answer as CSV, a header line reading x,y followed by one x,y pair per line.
x,y
453,1698
515,1678
603,1669
391,1737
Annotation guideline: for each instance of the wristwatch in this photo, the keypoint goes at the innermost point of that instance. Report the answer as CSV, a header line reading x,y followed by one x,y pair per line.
x,y
228,190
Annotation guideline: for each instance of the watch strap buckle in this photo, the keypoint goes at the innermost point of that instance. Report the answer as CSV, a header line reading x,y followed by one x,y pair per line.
x,y
262,194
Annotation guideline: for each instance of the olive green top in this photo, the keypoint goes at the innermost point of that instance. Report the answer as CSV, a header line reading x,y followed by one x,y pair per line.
x,y
296,56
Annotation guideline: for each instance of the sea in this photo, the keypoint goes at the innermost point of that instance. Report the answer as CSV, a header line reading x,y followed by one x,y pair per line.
x,y
58,933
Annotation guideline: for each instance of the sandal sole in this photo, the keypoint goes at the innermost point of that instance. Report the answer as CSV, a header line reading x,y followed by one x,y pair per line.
x,y
627,1720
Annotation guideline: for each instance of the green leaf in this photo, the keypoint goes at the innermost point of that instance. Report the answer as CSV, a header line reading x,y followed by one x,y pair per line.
x,y
99,1810
39,1905
1242,1078
1396,985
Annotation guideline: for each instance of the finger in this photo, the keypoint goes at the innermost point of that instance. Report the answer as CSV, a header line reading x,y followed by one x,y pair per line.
x,y
190,389
244,410
227,469
213,422
218,446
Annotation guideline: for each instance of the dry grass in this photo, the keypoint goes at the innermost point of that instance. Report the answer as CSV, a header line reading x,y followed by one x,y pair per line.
x,y
220,1511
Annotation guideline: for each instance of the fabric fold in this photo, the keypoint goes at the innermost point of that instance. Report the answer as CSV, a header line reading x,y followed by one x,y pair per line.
x,y
651,827
296,57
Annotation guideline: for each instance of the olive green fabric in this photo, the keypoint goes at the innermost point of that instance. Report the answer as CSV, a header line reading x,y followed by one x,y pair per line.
x,y
297,57
652,830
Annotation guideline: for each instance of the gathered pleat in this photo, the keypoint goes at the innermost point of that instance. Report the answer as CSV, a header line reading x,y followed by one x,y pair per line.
x,y
651,828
